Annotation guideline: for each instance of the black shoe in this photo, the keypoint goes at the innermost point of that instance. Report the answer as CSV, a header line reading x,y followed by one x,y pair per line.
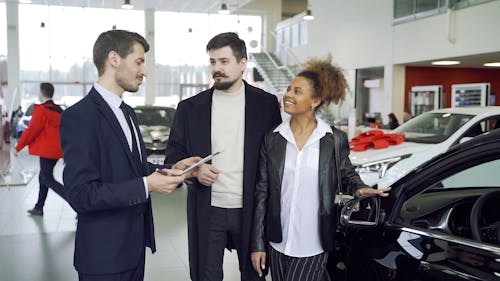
x,y
35,212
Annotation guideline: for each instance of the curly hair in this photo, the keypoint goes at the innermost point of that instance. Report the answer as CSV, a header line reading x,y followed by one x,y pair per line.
x,y
327,79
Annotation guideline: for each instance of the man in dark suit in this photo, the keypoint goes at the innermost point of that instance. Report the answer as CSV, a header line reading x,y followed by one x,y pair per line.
x,y
231,117
107,177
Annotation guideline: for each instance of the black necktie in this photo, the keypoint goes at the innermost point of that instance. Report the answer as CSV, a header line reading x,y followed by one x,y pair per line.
x,y
135,149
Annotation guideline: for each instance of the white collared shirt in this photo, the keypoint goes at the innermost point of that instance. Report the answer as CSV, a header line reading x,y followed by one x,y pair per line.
x,y
300,194
114,102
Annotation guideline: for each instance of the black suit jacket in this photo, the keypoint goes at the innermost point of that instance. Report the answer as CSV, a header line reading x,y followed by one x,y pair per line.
x,y
190,135
105,188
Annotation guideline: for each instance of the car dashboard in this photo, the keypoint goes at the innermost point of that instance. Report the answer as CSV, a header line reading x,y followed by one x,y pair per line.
x,y
448,210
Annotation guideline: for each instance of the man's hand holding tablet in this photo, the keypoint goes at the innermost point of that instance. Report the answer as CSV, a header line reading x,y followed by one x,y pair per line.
x,y
187,167
204,160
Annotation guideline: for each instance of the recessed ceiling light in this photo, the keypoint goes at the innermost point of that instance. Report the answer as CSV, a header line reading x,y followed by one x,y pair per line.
x,y
308,15
223,9
492,64
445,62
127,5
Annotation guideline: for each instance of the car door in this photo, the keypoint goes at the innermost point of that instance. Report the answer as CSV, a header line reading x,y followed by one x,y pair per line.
x,y
426,229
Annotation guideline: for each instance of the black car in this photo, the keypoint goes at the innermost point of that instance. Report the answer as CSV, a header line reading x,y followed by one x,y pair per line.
x,y
440,222
155,123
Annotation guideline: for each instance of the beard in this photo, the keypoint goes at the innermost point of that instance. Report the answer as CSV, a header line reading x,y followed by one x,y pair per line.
x,y
222,86
127,85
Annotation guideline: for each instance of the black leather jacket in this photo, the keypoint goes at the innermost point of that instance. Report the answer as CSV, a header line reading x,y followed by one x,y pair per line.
x,y
267,213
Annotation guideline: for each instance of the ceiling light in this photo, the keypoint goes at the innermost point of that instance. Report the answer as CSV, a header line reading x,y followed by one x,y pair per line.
x,y
308,15
223,9
25,1
127,5
492,64
445,62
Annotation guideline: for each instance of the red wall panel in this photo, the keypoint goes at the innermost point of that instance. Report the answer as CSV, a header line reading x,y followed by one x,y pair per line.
x,y
421,76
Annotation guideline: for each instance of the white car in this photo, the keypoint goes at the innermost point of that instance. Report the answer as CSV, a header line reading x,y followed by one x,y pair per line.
x,y
427,135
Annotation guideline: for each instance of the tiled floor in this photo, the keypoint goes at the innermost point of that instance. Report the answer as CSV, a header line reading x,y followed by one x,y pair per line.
x,y
41,248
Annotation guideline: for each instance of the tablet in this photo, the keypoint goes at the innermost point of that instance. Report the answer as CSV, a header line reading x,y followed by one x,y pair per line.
x,y
204,160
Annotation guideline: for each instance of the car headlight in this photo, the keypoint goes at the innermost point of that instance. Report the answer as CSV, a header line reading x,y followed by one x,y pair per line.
x,y
380,166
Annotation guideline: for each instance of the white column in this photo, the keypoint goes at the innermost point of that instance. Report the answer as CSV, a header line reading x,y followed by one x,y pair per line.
x,y
13,61
394,96
150,58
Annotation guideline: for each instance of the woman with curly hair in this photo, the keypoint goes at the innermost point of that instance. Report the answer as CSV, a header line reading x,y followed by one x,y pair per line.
x,y
294,217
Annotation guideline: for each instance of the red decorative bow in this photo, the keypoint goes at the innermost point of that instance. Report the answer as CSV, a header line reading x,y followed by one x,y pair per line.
x,y
375,139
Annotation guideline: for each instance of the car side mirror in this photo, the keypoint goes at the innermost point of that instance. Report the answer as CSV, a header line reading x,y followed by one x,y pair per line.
x,y
361,212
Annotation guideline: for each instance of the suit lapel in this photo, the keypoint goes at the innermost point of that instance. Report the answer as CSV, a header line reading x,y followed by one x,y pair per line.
x,y
110,117
251,108
326,146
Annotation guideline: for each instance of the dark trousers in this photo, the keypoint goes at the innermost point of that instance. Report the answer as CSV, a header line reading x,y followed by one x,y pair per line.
x,y
224,227
136,274
46,179
285,268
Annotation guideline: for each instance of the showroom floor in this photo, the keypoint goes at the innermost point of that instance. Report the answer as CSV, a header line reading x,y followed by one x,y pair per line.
x,y
41,248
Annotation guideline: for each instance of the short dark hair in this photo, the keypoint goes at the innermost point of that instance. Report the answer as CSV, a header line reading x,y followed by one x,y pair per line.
x,y
232,40
120,41
47,89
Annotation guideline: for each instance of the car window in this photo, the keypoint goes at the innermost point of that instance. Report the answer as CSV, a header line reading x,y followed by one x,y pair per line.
x,y
446,204
432,127
481,127
483,175
155,116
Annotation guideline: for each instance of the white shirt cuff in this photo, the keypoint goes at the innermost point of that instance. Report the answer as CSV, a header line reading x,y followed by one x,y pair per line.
x,y
145,187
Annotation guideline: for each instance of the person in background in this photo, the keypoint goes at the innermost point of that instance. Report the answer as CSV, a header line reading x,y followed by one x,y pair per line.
x,y
231,117
14,118
406,116
294,217
107,176
393,121
42,138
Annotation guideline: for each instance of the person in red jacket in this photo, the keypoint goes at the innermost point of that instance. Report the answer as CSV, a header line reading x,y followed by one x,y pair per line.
x,y
42,138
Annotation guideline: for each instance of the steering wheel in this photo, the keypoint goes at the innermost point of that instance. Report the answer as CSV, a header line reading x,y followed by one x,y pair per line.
x,y
489,233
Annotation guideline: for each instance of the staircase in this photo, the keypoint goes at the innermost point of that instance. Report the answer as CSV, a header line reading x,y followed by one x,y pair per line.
x,y
275,74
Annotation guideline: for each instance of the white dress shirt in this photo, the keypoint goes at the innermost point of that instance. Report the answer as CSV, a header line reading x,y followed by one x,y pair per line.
x,y
114,102
300,194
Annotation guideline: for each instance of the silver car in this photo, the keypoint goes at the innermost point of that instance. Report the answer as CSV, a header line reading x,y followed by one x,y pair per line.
x,y
155,123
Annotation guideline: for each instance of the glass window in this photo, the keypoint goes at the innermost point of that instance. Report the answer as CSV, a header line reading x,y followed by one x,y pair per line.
x,y
446,205
483,175
426,5
403,8
53,50
303,33
295,35
3,30
432,127
180,49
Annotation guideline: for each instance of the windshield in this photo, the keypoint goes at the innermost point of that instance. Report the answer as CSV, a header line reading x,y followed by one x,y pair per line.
x,y
432,127
155,116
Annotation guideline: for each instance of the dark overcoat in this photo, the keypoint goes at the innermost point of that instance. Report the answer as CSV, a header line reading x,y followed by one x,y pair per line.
x,y
190,135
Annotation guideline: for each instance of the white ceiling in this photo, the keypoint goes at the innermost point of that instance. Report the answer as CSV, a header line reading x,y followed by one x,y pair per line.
x,y
212,6
193,6
472,61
